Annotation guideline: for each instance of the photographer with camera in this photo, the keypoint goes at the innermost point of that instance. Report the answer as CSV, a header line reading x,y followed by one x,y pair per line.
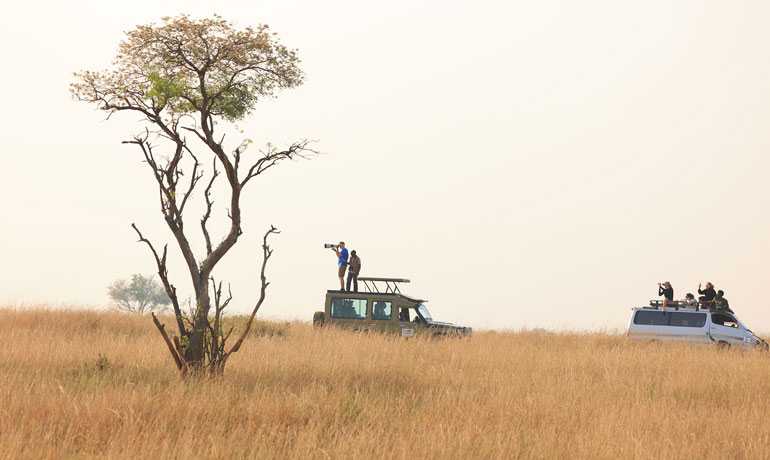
x,y
342,262
668,292
707,295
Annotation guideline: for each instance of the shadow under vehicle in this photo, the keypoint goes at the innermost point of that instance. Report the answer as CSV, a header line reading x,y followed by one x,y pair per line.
x,y
382,307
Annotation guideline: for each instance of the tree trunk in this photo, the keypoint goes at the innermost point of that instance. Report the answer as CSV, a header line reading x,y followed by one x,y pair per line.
x,y
195,338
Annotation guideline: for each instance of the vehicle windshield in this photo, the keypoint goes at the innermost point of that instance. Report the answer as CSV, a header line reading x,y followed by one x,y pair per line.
x,y
424,313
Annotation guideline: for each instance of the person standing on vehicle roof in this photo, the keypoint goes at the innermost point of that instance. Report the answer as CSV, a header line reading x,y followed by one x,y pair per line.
x,y
354,270
707,295
342,262
668,292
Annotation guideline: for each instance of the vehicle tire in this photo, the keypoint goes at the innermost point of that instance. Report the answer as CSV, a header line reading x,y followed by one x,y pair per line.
x,y
318,319
723,345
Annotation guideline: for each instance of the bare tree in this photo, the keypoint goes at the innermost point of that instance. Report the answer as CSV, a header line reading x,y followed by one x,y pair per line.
x,y
182,77
141,294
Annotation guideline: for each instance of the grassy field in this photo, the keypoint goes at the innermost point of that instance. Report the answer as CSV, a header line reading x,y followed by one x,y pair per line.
x,y
84,384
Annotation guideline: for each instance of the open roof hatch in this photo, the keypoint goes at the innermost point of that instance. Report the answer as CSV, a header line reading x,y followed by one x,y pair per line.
x,y
390,284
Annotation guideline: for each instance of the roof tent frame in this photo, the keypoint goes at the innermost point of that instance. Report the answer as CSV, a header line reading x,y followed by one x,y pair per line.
x,y
391,284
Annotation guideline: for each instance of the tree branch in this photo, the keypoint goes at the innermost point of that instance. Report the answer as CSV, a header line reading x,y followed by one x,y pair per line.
x,y
273,157
162,328
209,204
163,274
266,253
171,213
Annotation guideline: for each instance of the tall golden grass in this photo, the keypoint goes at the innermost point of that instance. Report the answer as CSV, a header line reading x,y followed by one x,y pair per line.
x,y
85,384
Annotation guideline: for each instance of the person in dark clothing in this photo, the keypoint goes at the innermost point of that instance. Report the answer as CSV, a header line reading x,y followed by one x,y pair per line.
x,y
668,292
354,269
707,295
720,303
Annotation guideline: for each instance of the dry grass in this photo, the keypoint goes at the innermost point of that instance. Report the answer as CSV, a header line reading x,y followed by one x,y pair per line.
x,y
81,384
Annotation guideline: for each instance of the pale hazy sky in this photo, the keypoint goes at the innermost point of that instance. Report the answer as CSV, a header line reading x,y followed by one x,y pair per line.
x,y
539,164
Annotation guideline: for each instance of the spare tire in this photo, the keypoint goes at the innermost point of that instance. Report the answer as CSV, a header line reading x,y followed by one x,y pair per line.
x,y
318,319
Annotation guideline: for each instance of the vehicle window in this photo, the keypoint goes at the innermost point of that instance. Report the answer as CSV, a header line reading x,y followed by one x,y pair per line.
x,y
404,315
687,319
424,312
722,319
348,308
651,318
381,310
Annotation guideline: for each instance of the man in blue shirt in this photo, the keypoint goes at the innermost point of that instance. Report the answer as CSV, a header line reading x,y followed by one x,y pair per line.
x,y
342,262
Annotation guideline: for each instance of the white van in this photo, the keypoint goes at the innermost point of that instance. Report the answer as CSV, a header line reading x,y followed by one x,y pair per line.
x,y
691,325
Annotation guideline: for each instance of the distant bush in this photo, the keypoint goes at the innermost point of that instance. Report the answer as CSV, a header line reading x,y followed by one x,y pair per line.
x,y
141,294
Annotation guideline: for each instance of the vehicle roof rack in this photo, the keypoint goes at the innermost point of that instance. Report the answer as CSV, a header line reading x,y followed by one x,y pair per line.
x,y
658,305
391,284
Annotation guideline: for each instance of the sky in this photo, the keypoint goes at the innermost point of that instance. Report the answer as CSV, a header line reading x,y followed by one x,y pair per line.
x,y
526,164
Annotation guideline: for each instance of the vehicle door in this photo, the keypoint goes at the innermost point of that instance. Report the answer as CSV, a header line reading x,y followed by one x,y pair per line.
x,y
407,325
725,328
381,318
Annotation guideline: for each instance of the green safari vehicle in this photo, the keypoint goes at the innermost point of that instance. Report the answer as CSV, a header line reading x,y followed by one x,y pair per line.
x,y
382,307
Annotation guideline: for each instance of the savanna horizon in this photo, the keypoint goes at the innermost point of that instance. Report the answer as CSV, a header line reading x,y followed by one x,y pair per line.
x,y
95,384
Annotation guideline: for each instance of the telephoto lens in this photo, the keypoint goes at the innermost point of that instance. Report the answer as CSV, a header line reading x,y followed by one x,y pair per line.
x,y
329,245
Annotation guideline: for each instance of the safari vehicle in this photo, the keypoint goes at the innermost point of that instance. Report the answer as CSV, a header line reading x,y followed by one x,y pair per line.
x,y
691,325
382,307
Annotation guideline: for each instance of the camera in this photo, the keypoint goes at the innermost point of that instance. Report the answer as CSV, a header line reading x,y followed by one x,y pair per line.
x,y
330,245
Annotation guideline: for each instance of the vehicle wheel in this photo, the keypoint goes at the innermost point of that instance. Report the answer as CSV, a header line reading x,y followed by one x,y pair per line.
x,y
318,319
723,345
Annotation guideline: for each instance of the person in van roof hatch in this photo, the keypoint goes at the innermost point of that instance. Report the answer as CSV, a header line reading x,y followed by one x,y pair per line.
x,y
720,303
668,292
689,300
707,295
